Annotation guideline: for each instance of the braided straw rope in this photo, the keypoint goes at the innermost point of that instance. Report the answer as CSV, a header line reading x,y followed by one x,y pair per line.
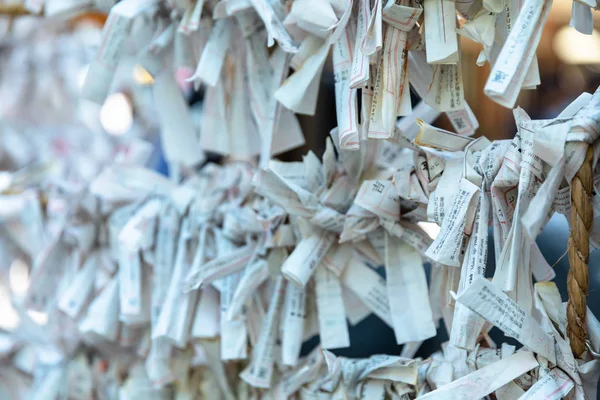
x,y
13,10
579,250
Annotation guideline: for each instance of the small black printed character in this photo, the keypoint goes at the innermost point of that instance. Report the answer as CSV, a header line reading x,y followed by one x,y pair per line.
x,y
378,187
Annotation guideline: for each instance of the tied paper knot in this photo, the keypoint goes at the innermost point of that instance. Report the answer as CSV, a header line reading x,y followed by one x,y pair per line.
x,y
579,250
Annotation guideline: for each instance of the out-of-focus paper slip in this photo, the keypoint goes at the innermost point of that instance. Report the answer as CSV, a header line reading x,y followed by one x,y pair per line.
x,y
255,273
102,70
135,233
234,333
338,257
300,90
369,287
486,380
301,264
440,32
407,292
130,283
491,303
176,313
259,372
553,386
102,317
389,93
306,372
274,25
178,135
356,310
73,298
510,69
333,329
213,56
294,313
582,18
206,320
227,8
218,267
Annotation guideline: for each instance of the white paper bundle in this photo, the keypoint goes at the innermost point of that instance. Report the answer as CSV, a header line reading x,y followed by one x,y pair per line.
x,y
206,283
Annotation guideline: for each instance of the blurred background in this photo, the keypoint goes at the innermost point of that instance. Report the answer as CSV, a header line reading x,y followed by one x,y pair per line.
x,y
43,65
